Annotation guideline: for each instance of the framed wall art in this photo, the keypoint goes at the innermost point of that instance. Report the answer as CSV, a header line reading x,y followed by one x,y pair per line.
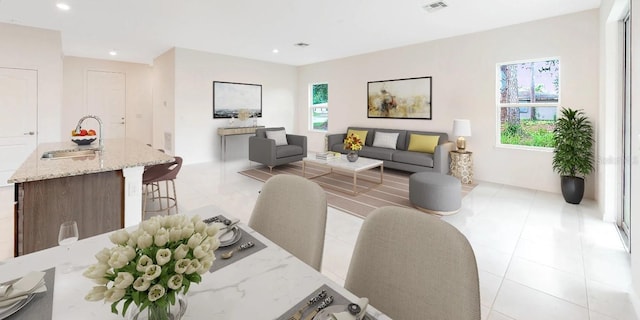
x,y
399,99
231,99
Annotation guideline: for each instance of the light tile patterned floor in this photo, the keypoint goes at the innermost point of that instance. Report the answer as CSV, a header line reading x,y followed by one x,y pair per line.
x,y
538,257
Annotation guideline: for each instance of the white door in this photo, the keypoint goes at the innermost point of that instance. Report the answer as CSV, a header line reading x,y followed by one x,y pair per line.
x,y
106,98
18,118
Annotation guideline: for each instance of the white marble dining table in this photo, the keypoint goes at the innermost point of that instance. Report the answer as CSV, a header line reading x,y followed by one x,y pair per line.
x,y
264,285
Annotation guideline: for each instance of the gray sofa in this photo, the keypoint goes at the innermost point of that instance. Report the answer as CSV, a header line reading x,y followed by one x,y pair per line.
x,y
400,158
265,151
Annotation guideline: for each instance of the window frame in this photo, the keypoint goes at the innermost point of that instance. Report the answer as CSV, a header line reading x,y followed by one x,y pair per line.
x,y
499,105
313,106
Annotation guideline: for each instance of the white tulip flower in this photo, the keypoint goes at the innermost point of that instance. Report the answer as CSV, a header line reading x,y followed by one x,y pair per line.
x,y
161,238
156,292
175,282
200,226
114,294
195,240
129,252
193,266
153,271
141,284
118,258
181,266
163,256
175,234
96,294
151,226
181,251
123,280
103,255
96,271
145,240
201,251
187,231
212,230
143,263
119,237
204,267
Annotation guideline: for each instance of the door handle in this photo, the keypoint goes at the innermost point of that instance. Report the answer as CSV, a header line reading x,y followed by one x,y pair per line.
x,y
30,133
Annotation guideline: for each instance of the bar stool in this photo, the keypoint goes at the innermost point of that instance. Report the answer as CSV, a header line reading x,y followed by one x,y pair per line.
x,y
153,187
155,174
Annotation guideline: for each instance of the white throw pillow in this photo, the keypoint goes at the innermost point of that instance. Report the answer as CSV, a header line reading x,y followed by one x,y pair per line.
x,y
279,136
385,139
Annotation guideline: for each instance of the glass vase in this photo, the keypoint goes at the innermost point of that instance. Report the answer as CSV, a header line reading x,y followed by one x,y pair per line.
x,y
352,156
156,312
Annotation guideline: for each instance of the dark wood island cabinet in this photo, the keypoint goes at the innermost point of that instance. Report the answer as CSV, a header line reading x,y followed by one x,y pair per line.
x,y
90,190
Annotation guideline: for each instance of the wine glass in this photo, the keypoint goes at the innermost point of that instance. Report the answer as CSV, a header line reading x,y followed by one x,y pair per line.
x,y
67,235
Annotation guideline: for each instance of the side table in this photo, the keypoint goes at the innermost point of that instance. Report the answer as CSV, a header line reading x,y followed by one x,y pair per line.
x,y
462,166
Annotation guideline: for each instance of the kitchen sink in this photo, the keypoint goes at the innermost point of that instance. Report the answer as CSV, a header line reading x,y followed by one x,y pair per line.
x,y
65,154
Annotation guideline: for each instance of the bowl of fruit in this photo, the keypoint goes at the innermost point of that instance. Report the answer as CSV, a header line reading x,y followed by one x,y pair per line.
x,y
84,137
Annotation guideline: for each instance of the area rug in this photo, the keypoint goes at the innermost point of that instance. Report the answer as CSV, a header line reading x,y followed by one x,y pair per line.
x,y
394,191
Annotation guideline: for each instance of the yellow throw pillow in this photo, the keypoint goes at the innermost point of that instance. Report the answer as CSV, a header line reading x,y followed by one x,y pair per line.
x,y
362,134
423,143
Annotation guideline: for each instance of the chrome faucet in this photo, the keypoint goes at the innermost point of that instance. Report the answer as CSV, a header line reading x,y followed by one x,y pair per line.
x,y
78,127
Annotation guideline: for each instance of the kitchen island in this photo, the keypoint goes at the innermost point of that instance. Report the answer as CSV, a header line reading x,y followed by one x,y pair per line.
x,y
101,190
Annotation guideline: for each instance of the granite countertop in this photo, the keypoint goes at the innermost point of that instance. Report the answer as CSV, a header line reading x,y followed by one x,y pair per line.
x,y
117,154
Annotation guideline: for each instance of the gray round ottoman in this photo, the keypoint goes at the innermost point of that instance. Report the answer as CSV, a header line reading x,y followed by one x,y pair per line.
x,y
435,193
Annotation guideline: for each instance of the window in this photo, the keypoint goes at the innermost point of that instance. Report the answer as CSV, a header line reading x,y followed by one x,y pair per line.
x,y
319,107
527,101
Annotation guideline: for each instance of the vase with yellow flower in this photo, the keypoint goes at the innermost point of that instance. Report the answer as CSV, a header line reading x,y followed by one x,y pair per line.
x,y
353,143
153,267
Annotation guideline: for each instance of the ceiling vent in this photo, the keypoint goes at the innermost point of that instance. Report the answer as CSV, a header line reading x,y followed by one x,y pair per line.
x,y
432,7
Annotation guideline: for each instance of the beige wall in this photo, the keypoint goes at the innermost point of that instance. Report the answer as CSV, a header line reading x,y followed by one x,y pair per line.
x,y
138,94
464,72
164,82
196,138
41,50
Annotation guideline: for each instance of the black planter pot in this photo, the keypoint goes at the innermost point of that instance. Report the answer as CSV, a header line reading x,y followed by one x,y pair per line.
x,y
572,189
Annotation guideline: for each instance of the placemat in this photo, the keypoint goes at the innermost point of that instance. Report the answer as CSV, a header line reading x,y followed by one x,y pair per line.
x,y
41,306
238,255
338,299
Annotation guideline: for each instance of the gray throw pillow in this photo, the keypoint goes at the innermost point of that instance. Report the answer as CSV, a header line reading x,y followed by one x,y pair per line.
x,y
385,139
279,136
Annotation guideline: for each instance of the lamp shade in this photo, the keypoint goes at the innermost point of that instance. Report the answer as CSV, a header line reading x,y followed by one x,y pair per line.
x,y
461,128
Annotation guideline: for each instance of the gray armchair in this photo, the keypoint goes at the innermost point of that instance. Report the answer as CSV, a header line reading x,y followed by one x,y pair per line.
x,y
265,151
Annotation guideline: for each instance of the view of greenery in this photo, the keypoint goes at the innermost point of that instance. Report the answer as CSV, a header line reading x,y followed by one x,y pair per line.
x,y
320,93
528,100
535,133
319,109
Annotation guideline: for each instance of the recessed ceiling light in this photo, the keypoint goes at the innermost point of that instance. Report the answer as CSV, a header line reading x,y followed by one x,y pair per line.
x,y
275,50
113,53
63,6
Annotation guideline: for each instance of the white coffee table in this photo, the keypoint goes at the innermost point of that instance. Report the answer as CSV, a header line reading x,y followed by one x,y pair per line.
x,y
343,165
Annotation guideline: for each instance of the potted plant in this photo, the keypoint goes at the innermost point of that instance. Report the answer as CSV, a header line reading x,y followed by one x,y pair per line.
x,y
573,152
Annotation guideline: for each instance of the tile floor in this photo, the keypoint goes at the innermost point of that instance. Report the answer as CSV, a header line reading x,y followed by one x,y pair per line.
x,y
538,257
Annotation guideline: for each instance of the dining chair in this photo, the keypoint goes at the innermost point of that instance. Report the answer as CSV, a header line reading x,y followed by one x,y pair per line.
x,y
412,265
292,212
153,175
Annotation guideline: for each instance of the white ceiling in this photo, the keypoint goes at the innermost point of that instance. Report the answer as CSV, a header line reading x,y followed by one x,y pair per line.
x,y
141,30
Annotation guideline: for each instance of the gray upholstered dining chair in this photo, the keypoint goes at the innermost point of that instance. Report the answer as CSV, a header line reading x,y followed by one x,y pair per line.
x,y
412,265
273,147
292,212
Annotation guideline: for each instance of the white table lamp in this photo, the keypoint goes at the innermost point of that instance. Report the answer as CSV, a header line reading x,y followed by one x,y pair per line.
x,y
461,129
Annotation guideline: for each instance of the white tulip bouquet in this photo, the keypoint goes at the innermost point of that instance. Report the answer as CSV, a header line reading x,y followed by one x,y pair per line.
x,y
149,266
